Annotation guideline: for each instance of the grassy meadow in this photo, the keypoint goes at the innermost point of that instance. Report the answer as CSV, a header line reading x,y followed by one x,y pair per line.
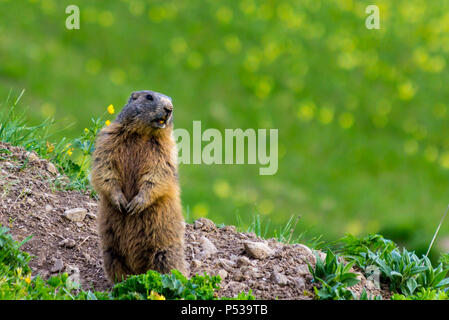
x,y
362,114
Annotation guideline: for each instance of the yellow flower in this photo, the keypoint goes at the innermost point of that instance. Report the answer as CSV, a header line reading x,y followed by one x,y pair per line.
x,y
107,123
86,130
50,147
28,280
70,152
155,296
111,109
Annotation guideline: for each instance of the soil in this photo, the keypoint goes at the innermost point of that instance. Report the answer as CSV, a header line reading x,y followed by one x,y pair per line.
x,y
31,204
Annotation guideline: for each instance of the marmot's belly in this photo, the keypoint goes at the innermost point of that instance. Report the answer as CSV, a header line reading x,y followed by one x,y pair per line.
x,y
148,231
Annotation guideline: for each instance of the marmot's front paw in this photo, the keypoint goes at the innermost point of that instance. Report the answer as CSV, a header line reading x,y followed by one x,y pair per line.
x,y
119,200
137,205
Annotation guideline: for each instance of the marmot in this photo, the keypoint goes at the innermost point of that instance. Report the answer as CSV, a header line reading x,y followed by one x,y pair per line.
x,y
134,171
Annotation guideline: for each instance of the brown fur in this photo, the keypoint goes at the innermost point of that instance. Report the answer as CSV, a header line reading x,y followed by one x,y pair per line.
x,y
135,163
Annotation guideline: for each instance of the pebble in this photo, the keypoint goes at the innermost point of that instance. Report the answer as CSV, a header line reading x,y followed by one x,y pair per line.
x,y
204,224
222,273
32,157
302,269
57,266
74,274
300,283
92,215
68,243
207,246
52,169
196,263
257,250
279,278
243,261
76,214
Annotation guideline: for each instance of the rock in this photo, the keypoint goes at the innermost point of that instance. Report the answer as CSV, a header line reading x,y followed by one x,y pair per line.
x,y
222,273
52,169
257,250
300,283
68,243
251,272
74,274
235,286
92,215
58,266
76,215
207,246
279,278
302,269
48,208
243,261
196,263
204,224
32,157
227,264
230,229
79,224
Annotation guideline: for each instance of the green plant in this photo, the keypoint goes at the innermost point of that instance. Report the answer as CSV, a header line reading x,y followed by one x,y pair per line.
x,y
423,294
334,277
11,257
172,286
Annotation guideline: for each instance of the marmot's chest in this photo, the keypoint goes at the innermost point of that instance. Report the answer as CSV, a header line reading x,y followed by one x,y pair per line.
x,y
137,158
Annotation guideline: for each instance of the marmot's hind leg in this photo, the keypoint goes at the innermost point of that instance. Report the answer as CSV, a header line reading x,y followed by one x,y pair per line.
x,y
169,259
114,266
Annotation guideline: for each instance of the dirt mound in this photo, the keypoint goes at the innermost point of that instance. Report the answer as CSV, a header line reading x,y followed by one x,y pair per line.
x,y
63,225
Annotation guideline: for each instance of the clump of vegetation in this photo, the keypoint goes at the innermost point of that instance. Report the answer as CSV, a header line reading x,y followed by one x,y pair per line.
x,y
174,286
406,274
334,277
14,130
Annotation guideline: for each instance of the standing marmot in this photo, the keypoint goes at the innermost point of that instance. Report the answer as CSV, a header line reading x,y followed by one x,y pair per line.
x,y
134,171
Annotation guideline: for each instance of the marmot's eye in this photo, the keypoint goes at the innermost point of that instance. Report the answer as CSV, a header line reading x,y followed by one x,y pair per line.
x,y
149,97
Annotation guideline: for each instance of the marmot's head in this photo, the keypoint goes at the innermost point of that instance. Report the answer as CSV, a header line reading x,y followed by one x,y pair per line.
x,y
147,109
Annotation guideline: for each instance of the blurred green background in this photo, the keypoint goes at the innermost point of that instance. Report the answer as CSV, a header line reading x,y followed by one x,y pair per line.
x,y
362,114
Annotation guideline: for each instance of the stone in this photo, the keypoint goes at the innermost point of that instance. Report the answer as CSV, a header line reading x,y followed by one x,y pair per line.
x,y
243,261
204,224
302,269
32,157
92,215
58,266
196,263
257,250
207,246
48,208
74,274
76,214
68,243
222,274
227,264
300,283
279,278
52,169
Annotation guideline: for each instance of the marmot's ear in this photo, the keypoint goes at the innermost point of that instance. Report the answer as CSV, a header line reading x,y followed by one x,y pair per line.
x,y
134,95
